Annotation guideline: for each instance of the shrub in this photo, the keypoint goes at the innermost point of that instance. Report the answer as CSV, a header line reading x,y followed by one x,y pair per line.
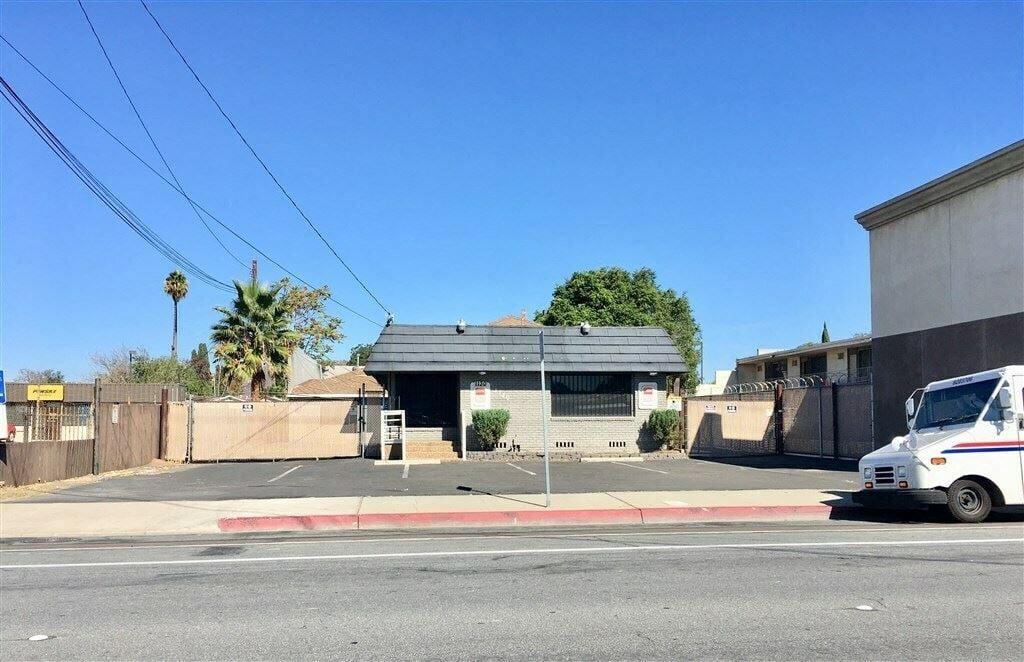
x,y
490,426
664,425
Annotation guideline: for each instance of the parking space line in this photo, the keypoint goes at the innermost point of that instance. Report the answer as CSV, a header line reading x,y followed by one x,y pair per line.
x,y
284,474
521,469
405,471
631,466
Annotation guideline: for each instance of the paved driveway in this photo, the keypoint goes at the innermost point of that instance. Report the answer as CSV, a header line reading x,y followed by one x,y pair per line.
x,y
357,477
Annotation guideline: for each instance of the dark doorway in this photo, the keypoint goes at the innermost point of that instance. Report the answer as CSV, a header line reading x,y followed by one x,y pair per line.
x,y
430,400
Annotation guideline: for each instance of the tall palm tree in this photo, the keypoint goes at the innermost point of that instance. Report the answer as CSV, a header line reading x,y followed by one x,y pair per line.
x,y
254,338
176,286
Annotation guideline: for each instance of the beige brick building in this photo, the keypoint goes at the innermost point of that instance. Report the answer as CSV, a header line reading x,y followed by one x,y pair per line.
x,y
601,384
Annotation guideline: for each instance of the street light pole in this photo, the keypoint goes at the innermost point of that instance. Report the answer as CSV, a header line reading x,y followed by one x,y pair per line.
x,y
544,427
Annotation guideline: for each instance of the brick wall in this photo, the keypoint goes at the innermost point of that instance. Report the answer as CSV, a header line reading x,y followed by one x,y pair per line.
x,y
518,393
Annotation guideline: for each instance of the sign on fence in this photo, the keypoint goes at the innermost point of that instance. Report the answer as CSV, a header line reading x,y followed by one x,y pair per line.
x,y
115,414
247,408
45,392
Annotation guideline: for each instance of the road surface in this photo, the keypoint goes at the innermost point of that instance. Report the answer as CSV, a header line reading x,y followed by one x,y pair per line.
x,y
739,591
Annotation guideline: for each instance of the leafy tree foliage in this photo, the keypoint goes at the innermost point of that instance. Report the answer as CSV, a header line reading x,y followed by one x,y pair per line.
x,y
169,370
254,338
200,362
318,330
359,354
612,296
114,367
46,376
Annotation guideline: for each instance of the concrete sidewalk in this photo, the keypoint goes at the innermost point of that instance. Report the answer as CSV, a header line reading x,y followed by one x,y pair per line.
x,y
133,518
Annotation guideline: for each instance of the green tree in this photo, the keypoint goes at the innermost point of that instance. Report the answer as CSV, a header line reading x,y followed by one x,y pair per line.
x,y
612,296
359,354
824,332
176,287
254,338
168,370
200,362
47,376
318,330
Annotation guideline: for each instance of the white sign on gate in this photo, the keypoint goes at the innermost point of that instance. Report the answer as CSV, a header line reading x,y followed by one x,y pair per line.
x,y
480,395
648,398
115,413
247,408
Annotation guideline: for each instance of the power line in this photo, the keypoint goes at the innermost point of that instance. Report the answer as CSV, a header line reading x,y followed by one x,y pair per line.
x,y
145,128
105,194
178,190
257,157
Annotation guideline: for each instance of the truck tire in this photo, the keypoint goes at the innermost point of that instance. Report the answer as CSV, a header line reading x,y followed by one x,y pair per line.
x,y
968,501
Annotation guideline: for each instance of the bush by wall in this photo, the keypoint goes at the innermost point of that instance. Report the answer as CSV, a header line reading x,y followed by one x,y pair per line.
x,y
490,426
664,426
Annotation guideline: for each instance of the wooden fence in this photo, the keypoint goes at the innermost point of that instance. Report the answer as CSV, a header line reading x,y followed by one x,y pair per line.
x,y
129,436
25,463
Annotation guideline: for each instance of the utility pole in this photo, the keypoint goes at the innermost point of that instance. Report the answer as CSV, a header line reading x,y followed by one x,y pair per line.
x,y
544,427
255,271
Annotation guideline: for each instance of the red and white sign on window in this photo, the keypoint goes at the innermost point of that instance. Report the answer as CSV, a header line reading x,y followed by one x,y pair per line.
x,y
480,395
647,395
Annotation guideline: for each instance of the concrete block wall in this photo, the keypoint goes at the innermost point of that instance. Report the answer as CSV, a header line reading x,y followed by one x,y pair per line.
x,y
518,393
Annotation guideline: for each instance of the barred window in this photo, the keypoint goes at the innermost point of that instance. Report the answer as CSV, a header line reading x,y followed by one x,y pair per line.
x,y
592,395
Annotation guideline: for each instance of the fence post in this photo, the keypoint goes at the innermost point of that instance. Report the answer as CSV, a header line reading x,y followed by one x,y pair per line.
x,y
164,411
189,420
821,433
780,438
96,391
835,421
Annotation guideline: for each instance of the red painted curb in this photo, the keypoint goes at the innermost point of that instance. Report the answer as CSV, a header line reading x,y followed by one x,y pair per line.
x,y
288,523
670,515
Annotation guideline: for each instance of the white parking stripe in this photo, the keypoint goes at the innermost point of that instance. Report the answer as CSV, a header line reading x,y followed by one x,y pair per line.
x,y
520,552
632,466
521,469
284,474
405,471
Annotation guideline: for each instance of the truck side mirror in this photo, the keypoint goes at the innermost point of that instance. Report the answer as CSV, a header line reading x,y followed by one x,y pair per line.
x,y
1005,399
909,405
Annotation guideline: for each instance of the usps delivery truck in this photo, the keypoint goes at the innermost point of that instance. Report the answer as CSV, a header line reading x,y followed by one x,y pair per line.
x,y
964,449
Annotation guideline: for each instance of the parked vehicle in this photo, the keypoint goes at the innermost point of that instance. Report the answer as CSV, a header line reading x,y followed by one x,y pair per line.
x,y
963,449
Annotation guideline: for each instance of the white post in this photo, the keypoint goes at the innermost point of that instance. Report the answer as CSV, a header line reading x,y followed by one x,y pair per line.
x,y
544,427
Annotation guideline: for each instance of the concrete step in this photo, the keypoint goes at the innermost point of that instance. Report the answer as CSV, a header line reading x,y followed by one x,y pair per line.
x,y
423,450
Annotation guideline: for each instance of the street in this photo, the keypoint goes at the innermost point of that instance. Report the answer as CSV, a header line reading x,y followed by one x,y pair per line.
x,y
830,590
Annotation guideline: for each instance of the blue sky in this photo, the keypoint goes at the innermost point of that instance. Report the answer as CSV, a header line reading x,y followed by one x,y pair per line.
x,y
466,157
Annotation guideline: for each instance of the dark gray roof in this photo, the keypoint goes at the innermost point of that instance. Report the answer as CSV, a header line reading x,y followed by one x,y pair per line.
x,y
430,348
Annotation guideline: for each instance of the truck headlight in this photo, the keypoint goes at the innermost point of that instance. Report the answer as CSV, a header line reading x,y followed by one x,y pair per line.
x,y
901,472
868,472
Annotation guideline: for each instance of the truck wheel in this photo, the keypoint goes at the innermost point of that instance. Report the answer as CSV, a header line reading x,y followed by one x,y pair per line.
x,y
968,501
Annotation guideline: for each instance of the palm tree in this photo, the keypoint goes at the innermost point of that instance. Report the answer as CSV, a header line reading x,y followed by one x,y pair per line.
x,y
254,338
176,286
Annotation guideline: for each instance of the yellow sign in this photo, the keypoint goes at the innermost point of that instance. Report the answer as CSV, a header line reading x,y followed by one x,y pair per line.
x,y
45,392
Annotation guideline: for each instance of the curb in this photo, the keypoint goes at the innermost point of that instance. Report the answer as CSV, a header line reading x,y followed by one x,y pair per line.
x,y
513,518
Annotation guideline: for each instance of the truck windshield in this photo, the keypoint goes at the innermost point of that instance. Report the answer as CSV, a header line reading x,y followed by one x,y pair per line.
x,y
950,406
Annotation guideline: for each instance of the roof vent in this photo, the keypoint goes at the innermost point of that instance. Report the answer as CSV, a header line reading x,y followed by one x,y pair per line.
x,y
461,326
585,328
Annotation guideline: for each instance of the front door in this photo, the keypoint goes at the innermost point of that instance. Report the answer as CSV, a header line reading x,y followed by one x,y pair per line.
x,y
430,399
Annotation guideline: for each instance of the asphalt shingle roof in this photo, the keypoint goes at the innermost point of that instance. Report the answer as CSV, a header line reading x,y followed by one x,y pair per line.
x,y
344,384
436,348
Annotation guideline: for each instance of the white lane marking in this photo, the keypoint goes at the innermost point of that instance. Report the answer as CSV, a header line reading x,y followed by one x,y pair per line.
x,y
497,536
405,471
521,469
284,474
677,503
623,464
521,552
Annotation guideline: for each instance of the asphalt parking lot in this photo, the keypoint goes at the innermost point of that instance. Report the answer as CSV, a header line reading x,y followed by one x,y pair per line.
x,y
358,477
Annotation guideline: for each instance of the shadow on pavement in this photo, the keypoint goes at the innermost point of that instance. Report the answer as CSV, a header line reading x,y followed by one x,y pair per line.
x,y
786,462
